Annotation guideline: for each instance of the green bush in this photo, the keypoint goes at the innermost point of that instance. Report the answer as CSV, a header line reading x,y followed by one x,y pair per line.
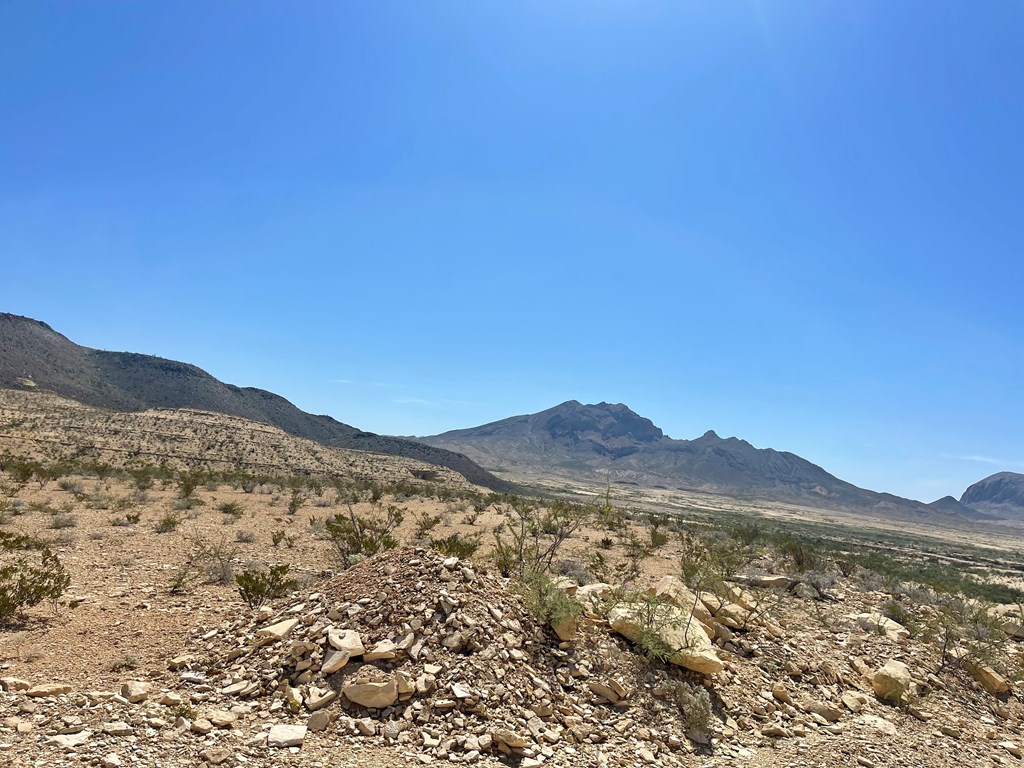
x,y
168,523
24,583
355,537
462,547
695,705
231,508
258,587
545,601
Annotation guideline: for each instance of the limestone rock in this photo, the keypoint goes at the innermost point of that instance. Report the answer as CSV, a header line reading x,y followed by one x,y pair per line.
x,y
319,721
347,641
47,690
375,695
510,738
136,691
278,631
691,648
70,740
876,622
566,628
286,736
892,681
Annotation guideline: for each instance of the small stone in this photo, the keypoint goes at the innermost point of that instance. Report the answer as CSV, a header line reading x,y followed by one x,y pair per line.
x,y
135,691
347,640
319,721
278,631
215,755
510,738
892,681
220,718
70,741
286,736
118,728
375,695
47,691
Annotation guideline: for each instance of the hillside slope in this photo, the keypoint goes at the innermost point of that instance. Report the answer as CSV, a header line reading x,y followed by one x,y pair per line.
x,y
35,357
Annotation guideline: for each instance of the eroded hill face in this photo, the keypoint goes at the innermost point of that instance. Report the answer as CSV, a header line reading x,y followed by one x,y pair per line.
x,y
35,357
50,428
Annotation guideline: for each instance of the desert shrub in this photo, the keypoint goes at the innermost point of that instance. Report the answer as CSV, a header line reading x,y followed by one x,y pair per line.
x,y
896,611
425,523
130,518
575,570
295,502
245,537
231,508
257,587
74,487
184,503
168,523
27,580
707,560
799,554
746,533
215,558
534,535
276,537
462,547
355,537
652,615
694,703
545,601
966,633
472,517
62,521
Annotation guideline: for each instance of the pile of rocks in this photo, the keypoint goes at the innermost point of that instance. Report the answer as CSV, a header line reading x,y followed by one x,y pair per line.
x,y
418,650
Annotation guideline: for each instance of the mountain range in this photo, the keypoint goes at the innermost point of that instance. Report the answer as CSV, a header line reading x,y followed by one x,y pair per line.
x,y
33,356
609,439
571,439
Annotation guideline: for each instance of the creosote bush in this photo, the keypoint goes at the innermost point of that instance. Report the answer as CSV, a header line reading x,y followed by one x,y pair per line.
x,y
257,587
462,547
355,537
27,580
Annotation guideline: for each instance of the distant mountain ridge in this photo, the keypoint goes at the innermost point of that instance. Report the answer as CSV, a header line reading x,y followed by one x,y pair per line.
x,y
34,356
576,439
1001,494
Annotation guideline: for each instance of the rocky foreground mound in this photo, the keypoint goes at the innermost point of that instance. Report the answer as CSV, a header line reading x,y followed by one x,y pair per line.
x,y
427,653
410,658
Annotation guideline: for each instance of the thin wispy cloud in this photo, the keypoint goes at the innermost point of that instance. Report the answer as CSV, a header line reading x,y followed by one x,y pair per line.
x,y
340,381
984,460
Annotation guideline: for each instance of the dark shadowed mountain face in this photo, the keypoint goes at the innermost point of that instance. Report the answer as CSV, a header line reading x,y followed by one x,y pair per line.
x,y
611,440
34,356
1001,494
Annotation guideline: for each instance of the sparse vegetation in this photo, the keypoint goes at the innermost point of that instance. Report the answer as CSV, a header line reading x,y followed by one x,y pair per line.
x,y
29,574
357,536
257,587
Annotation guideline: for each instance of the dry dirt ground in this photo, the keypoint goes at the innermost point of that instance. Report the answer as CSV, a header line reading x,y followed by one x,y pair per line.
x,y
795,690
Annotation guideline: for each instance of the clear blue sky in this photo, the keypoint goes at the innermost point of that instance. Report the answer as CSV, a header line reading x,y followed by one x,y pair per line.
x,y
801,223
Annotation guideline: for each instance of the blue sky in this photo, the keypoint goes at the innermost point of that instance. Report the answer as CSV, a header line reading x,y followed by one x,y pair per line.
x,y
799,223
